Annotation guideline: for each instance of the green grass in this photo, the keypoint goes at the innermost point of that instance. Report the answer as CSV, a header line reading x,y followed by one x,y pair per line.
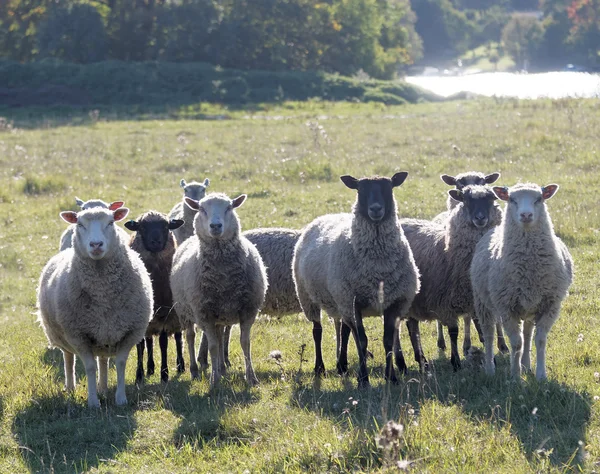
x,y
288,158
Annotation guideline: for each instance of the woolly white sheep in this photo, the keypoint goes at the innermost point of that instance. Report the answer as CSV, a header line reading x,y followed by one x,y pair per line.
x,y
95,300
67,235
154,242
521,271
460,181
443,253
192,190
357,265
218,279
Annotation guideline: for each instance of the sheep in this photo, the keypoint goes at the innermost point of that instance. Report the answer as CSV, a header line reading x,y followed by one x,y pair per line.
x,y
356,265
95,300
67,235
154,242
218,279
460,181
192,190
521,271
276,248
443,253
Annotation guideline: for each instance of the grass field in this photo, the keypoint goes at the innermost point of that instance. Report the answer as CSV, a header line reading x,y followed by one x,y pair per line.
x,y
287,159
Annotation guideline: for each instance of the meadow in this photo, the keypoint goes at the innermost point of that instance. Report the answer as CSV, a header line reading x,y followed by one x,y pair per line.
x,y
288,159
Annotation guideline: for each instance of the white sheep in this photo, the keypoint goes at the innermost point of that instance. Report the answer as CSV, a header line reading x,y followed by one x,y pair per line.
x,y
460,181
443,253
356,265
192,190
153,240
521,271
276,248
218,279
95,300
67,235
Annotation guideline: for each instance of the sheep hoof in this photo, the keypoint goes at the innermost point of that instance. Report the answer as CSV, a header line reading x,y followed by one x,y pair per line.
x,y
441,345
455,361
121,400
164,376
319,370
139,377
503,348
342,369
363,382
150,370
392,379
94,402
180,367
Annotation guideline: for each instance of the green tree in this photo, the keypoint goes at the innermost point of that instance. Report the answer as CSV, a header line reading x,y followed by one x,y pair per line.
x,y
522,37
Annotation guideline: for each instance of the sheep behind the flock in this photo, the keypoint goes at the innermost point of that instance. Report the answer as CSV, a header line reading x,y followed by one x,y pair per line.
x,y
218,279
356,265
67,235
521,271
95,300
443,253
193,190
153,241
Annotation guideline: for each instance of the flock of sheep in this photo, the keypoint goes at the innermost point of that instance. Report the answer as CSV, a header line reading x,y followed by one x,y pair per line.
x,y
106,290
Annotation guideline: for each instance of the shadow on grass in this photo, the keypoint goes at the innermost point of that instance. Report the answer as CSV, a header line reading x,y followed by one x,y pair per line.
x,y
549,418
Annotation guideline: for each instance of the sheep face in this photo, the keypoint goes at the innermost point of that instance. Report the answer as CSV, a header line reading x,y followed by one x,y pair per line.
x,y
463,180
478,201
194,190
526,202
375,198
215,216
95,232
154,228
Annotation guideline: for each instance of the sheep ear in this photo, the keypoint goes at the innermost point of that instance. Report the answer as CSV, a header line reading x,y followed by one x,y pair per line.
x,y
192,203
349,181
449,180
115,205
492,178
206,182
69,216
501,192
79,202
238,201
182,183
175,224
549,191
399,178
132,225
456,195
120,214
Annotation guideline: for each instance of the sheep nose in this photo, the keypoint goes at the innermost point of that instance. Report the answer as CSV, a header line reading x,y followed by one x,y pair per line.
x,y
216,226
375,208
96,245
526,216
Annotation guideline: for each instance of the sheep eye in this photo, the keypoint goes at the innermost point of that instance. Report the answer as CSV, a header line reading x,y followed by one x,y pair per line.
x,y
512,200
538,200
79,224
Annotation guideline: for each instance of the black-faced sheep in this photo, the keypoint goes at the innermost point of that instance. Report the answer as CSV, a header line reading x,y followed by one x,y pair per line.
x,y
218,279
154,242
95,300
521,271
192,190
356,265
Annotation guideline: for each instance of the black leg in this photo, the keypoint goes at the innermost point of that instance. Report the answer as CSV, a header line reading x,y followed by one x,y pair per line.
x,y
455,356
360,337
179,348
226,336
389,328
163,341
139,373
398,355
317,337
415,339
479,331
150,347
342,359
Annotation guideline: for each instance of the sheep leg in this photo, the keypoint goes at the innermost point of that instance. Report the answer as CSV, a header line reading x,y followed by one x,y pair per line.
x,y
441,342
543,325
120,363
69,363
398,355
317,338
389,330
467,336
342,356
515,335
89,361
415,339
203,353
502,347
479,329
220,336
212,337
360,338
488,328
163,341
190,339
227,336
139,373
179,348
454,354
150,348
245,343
527,335
103,375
